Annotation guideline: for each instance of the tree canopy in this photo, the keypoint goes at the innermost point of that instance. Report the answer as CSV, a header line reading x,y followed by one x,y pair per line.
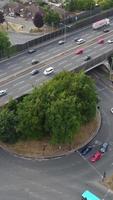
x,y
56,110
38,20
74,5
51,17
5,44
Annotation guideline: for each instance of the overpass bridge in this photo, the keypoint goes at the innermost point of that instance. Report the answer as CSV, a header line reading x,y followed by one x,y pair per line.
x,y
105,59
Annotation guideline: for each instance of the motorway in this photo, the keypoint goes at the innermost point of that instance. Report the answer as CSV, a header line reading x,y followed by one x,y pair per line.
x,y
67,177
15,72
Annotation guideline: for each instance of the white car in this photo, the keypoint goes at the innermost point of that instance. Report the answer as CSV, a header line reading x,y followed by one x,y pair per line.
x,y
49,70
2,92
110,41
61,42
112,110
80,41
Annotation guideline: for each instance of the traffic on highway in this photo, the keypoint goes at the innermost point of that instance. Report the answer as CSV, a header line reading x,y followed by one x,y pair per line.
x,y
82,171
79,47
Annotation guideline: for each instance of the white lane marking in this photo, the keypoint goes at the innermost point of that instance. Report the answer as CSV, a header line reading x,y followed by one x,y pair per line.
x,y
73,57
62,62
16,69
12,66
44,56
65,66
52,49
19,83
24,86
3,74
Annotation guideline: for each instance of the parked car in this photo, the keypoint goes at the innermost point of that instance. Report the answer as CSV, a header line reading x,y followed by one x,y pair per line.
x,y
34,62
106,30
112,110
86,150
104,147
31,51
101,41
80,41
34,71
48,71
2,92
87,58
61,42
96,156
110,41
79,51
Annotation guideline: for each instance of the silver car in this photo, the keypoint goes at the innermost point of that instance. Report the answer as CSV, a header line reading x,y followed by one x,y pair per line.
x,y
80,41
104,147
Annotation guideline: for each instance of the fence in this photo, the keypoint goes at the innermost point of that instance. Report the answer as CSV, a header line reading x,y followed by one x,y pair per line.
x,y
78,24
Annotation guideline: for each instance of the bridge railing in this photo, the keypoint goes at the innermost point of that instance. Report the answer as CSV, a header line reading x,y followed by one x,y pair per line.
x,y
93,62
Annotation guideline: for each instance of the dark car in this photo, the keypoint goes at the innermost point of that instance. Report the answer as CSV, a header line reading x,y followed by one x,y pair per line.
x,y
104,147
34,71
87,58
34,62
86,150
31,51
106,30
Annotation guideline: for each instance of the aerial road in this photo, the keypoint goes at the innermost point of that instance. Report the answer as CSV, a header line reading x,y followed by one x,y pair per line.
x,y
64,177
15,74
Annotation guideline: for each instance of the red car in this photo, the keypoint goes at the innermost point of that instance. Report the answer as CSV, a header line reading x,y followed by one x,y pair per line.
x,y
95,157
101,41
79,51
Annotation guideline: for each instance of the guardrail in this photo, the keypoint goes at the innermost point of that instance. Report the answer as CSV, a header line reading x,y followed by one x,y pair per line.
x,y
78,24
89,64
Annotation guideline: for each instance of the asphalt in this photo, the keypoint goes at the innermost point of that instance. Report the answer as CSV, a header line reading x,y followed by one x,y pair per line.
x,y
66,177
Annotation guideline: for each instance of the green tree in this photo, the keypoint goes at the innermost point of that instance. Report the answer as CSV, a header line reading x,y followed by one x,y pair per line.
x,y
105,4
57,109
8,122
51,17
4,44
74,5
86,97
70,5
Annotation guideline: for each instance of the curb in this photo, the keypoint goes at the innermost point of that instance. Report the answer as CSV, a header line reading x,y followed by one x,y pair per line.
x,y
57,155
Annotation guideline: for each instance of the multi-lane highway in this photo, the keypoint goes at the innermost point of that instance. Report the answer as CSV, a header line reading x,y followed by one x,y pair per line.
x,y
67,177
15,72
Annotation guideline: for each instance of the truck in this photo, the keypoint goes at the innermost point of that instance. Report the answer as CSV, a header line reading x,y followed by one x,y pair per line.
x,y
101,23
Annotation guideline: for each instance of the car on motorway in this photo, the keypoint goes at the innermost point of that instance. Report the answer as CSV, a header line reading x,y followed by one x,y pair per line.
x,y
87,58
34,71
106,30
76,39
86,150
79,51
48,71
111,110
80,41
96,156
110,41
101,41
61,42
104,147
31,51
3,92
34,62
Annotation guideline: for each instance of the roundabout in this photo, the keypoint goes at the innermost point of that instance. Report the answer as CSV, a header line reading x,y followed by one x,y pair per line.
x,y
62,178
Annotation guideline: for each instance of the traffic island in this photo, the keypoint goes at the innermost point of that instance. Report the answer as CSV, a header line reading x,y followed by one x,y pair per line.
x,y
43,149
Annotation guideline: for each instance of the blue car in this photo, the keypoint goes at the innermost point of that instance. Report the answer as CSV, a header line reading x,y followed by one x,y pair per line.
x,y
86,150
